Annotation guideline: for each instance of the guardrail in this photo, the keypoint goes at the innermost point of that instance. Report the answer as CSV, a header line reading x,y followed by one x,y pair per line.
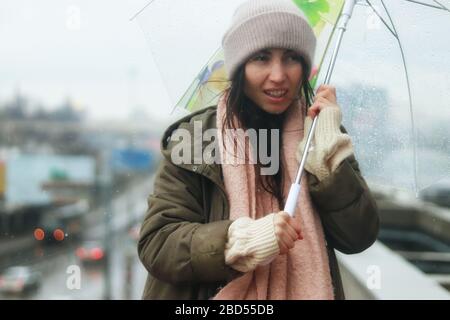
x,y
381,273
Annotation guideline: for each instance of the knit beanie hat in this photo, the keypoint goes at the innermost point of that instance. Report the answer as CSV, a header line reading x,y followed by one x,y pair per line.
x,y
265,24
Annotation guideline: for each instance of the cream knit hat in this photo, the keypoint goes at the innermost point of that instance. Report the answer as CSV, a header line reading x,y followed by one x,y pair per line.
x,y
263,24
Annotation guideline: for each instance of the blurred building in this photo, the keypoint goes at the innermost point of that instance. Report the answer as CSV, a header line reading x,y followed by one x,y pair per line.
x,y
126,160
44,179
33,184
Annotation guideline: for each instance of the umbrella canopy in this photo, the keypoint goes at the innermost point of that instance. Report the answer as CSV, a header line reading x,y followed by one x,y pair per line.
x,y
393,80
187,46
392,75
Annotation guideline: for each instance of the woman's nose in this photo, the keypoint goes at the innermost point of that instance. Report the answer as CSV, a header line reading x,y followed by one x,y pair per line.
x,y
277,72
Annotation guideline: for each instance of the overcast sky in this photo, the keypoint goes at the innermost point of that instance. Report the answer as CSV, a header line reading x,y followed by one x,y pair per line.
x,y
85,50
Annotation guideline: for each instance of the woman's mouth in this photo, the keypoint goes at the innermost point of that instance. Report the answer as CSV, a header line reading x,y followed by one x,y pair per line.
x,y
278,95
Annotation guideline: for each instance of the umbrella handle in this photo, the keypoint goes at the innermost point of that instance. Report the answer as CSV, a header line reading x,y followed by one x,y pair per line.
x,y
294,192
291,201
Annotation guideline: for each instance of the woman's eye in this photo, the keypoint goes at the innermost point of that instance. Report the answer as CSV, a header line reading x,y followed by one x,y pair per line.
x,y
260,57
294,58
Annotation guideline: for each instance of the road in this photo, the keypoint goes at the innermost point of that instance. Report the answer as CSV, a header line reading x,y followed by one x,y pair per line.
x,y
92,284
59,265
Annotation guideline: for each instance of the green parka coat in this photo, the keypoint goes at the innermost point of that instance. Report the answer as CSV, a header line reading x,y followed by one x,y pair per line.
x,y
183,236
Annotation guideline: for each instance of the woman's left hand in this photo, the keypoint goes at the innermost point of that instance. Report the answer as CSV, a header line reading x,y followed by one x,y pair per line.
x,y
325,98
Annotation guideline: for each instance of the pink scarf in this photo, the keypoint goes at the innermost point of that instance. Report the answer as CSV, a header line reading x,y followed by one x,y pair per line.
x,y
304,272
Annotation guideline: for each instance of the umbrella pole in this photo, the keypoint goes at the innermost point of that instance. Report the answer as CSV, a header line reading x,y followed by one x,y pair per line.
x,y
294,191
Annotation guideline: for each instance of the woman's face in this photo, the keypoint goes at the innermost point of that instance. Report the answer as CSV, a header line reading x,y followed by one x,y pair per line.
x,y
273,79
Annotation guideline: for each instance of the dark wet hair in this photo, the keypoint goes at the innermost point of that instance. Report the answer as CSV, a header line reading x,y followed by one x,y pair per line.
x,y
251,116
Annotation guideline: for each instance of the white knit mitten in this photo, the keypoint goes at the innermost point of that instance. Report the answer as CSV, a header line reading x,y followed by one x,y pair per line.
x,y
251,243
329,146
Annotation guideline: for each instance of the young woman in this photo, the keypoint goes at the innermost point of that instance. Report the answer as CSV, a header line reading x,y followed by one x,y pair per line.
x,y
216,229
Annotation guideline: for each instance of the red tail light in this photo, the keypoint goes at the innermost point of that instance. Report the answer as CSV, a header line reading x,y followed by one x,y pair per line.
x,y
96,253
58,234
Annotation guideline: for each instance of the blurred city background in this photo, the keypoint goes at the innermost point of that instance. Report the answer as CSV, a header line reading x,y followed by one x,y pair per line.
x,y
81,116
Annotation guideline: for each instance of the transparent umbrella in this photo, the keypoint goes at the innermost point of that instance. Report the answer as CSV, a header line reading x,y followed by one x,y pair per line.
x,y
393,80
392,74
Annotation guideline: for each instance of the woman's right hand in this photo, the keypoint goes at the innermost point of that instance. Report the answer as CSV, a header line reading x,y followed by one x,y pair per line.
x,y
287,231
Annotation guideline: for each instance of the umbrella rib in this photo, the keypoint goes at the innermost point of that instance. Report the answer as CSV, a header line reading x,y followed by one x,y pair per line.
x,y
213,98
137,13
382,20
441,7
413,127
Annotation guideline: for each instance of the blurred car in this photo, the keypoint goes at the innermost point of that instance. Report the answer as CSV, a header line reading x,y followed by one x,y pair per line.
x,y
64,221
20,280
91,253
438,193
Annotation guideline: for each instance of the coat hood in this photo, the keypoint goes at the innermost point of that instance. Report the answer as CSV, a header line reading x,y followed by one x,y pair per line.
x,y
193,125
